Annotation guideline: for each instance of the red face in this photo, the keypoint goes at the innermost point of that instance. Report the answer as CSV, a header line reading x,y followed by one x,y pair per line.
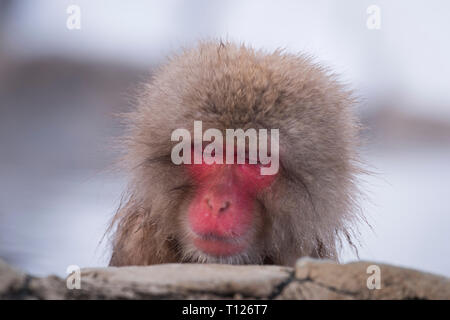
x,y
221,215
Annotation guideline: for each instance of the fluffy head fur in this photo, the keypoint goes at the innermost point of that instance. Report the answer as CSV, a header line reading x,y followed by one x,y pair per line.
x,y
309,207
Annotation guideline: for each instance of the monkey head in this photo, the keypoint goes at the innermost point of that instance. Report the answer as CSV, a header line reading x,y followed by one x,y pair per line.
x,y
231,213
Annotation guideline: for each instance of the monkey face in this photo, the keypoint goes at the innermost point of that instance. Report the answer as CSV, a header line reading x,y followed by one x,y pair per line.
x,y
223,217
231,213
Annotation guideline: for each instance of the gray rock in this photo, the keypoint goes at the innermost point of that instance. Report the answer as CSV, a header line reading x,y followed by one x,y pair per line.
x,y
349,281
310,279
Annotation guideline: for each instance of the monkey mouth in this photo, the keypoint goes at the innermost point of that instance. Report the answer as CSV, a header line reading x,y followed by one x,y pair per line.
x,y
218,246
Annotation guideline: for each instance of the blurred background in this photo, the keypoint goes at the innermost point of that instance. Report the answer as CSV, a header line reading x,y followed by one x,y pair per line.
x,y
60,89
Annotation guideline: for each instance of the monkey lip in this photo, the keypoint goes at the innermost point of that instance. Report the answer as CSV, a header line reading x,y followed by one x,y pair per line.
x,y
217,245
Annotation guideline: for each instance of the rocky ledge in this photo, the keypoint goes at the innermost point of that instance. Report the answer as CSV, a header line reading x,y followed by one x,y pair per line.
x,y
310,279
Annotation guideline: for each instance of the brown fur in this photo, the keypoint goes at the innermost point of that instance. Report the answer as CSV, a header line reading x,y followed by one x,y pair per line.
x,y
309,208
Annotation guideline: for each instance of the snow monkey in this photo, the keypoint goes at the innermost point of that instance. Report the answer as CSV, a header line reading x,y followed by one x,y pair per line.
x,y
220,212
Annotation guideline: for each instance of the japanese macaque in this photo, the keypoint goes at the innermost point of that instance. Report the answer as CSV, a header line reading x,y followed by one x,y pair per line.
x,y
231,213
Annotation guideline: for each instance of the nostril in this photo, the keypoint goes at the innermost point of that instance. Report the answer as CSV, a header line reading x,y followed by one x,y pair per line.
x,y
217,206
224,206
208,203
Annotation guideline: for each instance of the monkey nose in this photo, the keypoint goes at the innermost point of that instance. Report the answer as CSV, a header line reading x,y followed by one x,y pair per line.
x,y
217,206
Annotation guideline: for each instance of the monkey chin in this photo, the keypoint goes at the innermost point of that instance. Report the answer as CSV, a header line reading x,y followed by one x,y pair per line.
x,y
219,246
223,250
